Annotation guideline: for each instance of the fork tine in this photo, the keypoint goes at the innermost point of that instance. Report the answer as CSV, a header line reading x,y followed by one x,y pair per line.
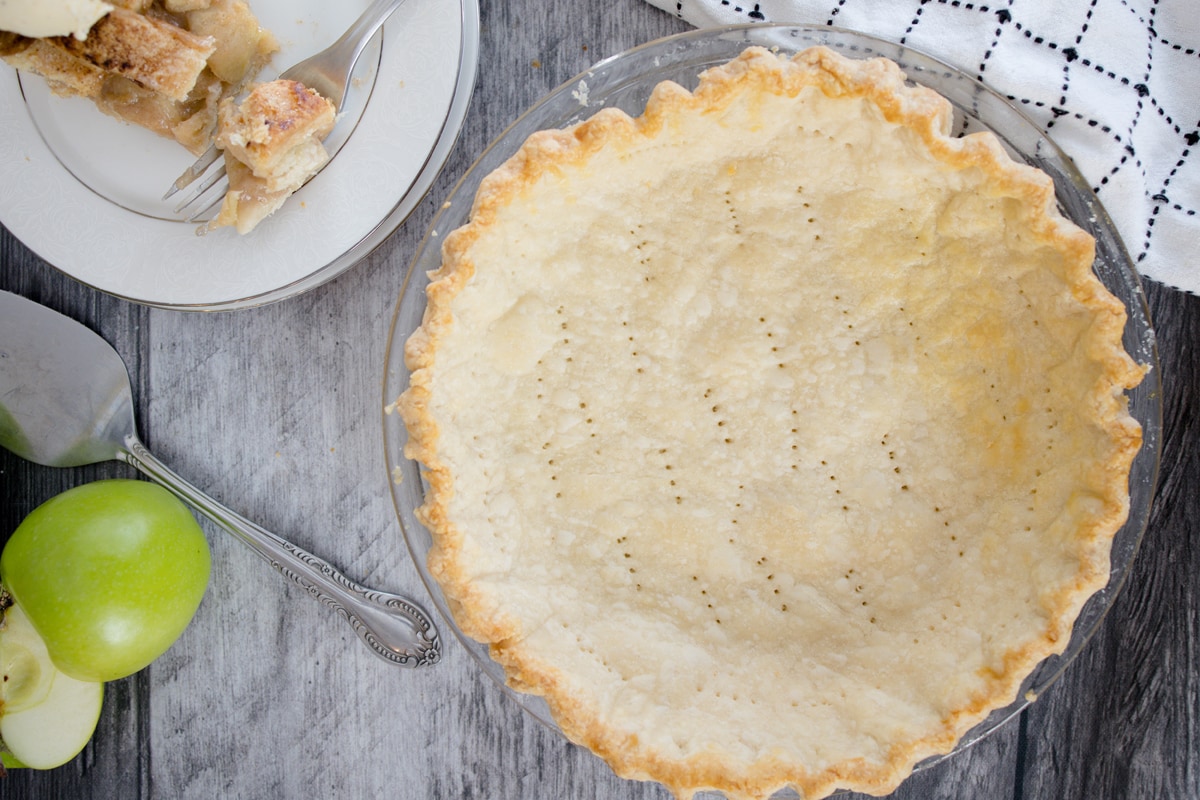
x,y
198,168
201,214
217,177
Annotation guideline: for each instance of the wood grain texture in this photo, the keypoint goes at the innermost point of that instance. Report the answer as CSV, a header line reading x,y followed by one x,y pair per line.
x,y
276,411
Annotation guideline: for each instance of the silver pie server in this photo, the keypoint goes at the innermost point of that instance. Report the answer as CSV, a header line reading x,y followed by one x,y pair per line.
x,y
65,401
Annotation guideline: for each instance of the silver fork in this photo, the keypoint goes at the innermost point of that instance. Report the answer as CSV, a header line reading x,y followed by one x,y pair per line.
x,y
328,73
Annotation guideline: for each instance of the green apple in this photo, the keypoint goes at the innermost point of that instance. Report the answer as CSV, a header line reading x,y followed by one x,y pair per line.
x,y
46,717
109,573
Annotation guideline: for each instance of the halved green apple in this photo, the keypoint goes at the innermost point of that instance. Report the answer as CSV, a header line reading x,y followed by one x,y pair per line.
x,y
46,716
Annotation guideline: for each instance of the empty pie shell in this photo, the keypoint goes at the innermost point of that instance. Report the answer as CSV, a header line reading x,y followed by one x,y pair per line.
x,y
775,435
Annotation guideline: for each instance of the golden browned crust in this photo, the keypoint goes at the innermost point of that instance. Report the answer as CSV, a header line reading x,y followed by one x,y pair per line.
x,y
12,43
66,73
157,55
273,145
276,118
546,156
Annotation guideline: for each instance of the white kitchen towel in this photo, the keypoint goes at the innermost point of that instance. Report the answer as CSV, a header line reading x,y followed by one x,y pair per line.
x,y
1116,83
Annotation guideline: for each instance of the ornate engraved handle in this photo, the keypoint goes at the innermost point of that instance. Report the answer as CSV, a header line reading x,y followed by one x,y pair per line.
x,y
394,627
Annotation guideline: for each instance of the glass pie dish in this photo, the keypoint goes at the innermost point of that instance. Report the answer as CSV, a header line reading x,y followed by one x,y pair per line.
x,y
625,82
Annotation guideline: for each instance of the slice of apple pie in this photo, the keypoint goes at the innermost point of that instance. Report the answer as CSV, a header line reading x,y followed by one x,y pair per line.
x,y
175,67
164,66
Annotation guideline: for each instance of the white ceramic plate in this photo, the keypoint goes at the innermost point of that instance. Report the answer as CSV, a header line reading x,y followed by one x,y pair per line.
x,y
83,190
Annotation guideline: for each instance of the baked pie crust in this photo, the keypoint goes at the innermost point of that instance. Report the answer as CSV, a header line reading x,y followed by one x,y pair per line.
x,y
773,436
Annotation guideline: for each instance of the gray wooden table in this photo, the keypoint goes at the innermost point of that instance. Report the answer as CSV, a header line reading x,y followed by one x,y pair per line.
x,y
275,412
